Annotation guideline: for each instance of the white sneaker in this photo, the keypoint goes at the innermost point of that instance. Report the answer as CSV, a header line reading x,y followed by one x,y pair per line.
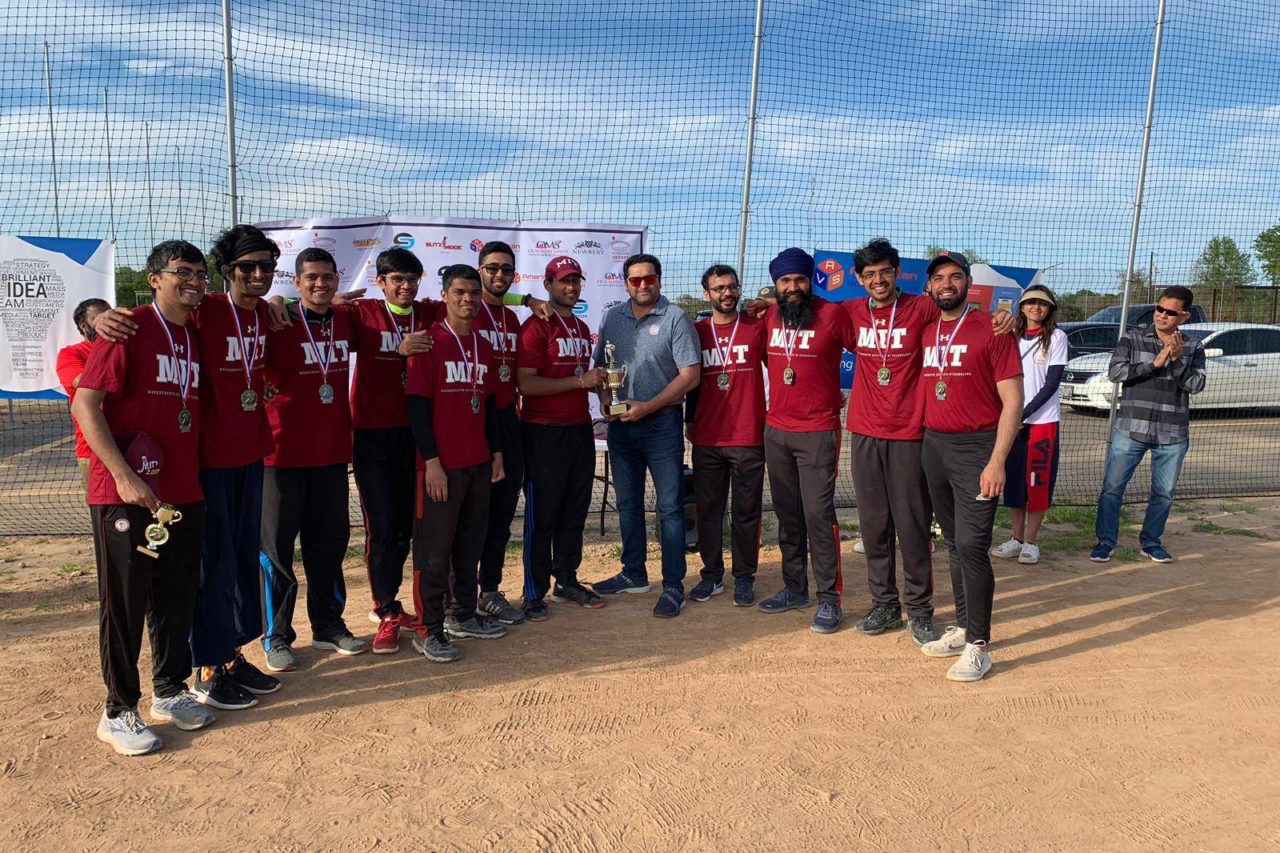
x,y
1030,554
1009,549
182,710
127,734
859,547
973,664
950,644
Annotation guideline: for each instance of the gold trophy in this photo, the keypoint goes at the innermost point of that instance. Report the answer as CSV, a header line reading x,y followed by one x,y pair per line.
x,y
615,375
157,534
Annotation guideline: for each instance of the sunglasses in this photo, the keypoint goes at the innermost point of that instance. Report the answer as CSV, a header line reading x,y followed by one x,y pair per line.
x,y
642,280
247,267
494,269
1169,312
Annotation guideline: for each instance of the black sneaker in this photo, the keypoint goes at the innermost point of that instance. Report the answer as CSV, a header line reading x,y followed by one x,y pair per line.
x,y
744,592
577,594
879,619
436,648
922,630
220,691
536,611
705,589
250,678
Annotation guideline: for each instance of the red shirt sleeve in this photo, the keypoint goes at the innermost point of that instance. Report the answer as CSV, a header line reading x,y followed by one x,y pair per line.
x,y
532,349
421,373
1006,362
108,366
70,364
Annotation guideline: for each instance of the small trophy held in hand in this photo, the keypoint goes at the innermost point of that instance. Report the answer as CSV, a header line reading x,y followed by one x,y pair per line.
x,y
615,375
157,534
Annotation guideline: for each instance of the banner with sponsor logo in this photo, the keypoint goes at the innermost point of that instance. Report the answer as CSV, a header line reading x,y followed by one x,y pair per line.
x,y
995,287
42,280
356,243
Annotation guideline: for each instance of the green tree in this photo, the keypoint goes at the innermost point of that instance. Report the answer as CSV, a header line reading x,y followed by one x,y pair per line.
x,y
129,283
1223,264
1267,248
1139,286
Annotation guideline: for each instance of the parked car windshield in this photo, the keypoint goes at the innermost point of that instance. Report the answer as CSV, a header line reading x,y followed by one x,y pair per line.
x,y
1106,315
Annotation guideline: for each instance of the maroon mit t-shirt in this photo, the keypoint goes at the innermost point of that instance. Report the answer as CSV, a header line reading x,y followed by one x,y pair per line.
x,y
894,410
555,348
232,435
976,359
812,402
70,364
730,415
143,379
501,328
457,373
309,432
377,392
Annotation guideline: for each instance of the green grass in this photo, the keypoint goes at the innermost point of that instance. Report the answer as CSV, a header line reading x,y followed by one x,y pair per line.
x,y
1239,507
68,568
615,551
851,526
353,553
515,546
1210,527
1127,554
44,607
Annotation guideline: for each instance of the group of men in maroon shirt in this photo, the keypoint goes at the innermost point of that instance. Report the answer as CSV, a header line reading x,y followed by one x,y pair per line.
x,y
220,428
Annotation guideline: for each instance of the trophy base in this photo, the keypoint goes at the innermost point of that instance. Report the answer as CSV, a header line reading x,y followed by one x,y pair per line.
x,y
616,409
152,554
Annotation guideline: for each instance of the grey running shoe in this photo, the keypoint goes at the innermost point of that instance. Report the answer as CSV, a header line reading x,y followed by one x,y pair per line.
x,y
922,629
280,658
221,691
577,594
879,619
495,605
436,648
950,644
182,710
973,664
127,734
477,627
343,642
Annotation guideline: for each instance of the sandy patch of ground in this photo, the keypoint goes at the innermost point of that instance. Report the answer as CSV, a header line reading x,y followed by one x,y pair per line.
x,y
1133,706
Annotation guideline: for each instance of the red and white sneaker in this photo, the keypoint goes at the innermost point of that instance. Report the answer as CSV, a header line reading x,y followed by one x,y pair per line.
x,y
387,640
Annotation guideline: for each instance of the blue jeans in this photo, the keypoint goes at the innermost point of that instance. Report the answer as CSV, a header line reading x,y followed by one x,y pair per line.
x,y
1122,460
655,443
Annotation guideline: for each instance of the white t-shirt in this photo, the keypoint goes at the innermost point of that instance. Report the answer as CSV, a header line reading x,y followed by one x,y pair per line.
x,y
1035,370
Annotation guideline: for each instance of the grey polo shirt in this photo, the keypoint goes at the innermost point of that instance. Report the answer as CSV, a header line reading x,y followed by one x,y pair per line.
x,y
654,348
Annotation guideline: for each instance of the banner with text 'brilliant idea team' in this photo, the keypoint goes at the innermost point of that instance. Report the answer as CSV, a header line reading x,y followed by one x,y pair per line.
x,y
42,280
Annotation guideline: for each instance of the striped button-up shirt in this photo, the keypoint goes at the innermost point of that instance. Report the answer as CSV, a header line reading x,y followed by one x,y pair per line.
x,y
1154,400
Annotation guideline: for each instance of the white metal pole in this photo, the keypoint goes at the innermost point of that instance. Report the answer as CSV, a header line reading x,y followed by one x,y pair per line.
x,y
53,142
182,217
111,192
1137,202
751,139
233,197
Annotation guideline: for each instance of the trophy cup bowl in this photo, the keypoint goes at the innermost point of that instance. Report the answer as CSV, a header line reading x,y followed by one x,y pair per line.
x,y
615,376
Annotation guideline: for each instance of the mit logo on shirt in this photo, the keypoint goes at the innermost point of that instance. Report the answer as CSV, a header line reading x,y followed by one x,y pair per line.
x,y
171,371
493,338
573,347
233,347
953,356
778,338
337,351
738,355
876,338
456,372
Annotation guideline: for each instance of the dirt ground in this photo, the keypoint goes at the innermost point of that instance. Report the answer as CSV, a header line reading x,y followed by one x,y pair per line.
x,y
1133,706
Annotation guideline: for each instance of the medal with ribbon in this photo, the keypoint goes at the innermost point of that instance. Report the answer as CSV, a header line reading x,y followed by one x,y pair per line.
x,y
184,375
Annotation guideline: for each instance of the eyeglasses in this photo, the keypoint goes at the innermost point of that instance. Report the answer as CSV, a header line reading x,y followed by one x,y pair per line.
x,y
725,288
247,267
187,274
642,280
1169,312
879,275
396,279
494,269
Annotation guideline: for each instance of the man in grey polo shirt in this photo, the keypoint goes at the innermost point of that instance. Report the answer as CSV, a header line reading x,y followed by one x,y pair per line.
x,y
659,345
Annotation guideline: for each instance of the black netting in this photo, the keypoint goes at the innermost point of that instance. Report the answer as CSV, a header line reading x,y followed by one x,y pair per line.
x,y
1010,129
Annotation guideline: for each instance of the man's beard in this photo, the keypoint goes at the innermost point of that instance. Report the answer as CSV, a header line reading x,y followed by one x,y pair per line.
x,y
955,302
799,313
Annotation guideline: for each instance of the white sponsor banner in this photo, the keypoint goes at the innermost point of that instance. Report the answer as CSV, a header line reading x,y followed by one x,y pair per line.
x,y
355,243
42,280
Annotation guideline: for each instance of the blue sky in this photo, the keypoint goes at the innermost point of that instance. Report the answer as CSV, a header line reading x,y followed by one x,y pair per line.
x,y
1010,127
